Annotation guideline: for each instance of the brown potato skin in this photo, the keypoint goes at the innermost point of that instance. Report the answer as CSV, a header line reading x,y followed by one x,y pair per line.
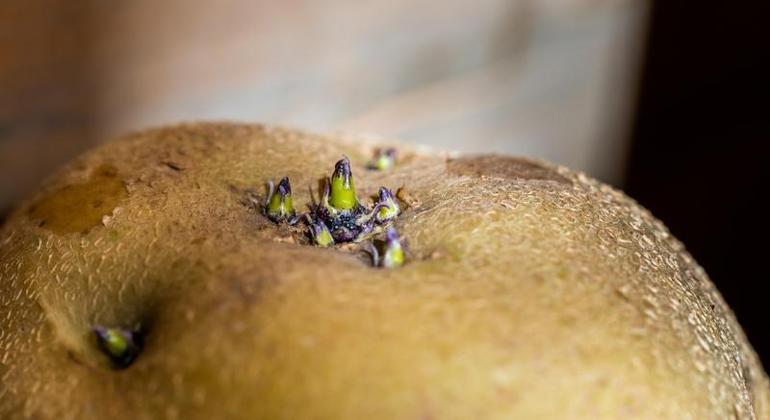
x,y
530,291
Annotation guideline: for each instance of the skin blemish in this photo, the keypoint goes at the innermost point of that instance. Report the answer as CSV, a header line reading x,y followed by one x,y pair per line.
x,y
173,165
503,167
405,195
80,207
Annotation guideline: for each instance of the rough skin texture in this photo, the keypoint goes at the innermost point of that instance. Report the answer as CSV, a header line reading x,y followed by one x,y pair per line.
x,y
530,292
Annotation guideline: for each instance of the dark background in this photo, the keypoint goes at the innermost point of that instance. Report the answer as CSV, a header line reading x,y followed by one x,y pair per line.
x,y
699,157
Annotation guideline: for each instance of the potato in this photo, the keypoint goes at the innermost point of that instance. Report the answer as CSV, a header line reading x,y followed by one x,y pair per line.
x,y
529,291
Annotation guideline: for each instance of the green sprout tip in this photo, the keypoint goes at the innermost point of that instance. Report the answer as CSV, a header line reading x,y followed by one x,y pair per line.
x,y
343,191
119,344
394,253
384,159
279,204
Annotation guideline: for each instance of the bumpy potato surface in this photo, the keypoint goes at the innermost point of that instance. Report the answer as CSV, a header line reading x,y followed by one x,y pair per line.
x,y
530,291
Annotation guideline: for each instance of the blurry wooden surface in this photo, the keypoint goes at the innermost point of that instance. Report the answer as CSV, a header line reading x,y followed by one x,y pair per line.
x,y
44,108
549,78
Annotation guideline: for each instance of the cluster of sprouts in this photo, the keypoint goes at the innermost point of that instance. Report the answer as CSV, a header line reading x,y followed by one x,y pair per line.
x,y
339,216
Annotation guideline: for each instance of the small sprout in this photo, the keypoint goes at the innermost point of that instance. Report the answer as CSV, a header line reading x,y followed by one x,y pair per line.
x,y
393,255
341,214
384,159
119,344
319,233
279,205
389,254
388,207
343,191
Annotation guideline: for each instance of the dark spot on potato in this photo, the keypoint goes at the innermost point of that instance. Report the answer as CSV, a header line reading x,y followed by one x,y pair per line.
x,y
80,207
503,167
173,166
406,197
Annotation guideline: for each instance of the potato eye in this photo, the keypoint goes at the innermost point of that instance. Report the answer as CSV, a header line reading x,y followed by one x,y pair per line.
x,y
121,345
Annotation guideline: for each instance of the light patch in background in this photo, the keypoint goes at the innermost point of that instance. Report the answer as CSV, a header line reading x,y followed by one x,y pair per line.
x,y
547,79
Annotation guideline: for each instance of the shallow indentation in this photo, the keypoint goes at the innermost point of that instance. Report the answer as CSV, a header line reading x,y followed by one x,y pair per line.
x,y
80,207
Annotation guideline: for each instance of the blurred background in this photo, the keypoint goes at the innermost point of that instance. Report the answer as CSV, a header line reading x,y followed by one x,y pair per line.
x,y
666,99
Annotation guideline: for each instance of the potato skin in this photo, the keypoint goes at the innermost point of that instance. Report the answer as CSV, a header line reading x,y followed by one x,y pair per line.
x,y
531,292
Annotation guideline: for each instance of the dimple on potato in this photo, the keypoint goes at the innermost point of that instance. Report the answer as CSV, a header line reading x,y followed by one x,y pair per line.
x,y
528,291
